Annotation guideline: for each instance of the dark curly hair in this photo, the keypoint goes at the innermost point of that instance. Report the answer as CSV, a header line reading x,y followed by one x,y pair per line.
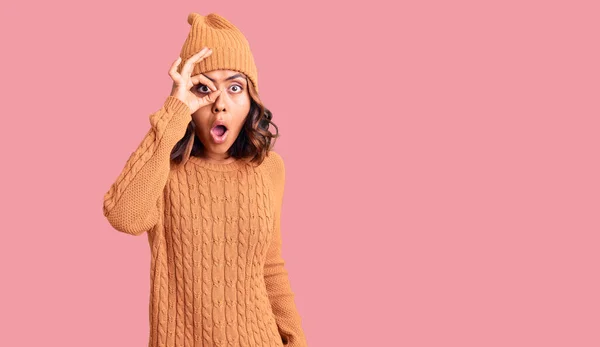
x,y
253,142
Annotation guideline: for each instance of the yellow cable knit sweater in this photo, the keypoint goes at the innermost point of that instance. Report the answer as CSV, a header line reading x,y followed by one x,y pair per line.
x,y
217,274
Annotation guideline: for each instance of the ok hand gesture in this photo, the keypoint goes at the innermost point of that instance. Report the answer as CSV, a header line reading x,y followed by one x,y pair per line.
x,y
183,82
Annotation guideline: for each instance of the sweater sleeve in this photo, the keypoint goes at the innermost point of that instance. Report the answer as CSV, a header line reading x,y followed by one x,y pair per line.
x,y
132,204
277,283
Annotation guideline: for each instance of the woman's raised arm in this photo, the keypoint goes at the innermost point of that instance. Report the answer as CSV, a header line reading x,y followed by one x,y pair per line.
x,y
133,203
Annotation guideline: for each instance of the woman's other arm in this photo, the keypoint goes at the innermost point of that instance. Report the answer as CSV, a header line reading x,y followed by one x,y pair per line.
x,y
277,282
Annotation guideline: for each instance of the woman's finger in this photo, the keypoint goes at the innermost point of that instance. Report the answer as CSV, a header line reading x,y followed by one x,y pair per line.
x,y
208,99
189,64
175,76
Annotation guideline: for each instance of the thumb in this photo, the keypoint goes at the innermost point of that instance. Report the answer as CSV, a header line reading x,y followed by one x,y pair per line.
x,y
210,98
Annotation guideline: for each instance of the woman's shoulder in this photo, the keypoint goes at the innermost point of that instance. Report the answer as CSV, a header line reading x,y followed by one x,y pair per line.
x,y
273,161
274,166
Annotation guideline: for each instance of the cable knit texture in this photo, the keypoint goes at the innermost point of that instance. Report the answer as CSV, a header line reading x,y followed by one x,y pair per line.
x,y
217,274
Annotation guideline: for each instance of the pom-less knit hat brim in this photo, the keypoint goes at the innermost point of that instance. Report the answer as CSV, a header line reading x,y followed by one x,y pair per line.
x,y
230,48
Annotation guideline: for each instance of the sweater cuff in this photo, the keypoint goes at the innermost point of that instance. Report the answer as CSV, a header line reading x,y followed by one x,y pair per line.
x,y
175,106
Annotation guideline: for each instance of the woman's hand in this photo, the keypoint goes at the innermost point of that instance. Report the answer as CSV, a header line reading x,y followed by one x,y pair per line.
x,y
183,82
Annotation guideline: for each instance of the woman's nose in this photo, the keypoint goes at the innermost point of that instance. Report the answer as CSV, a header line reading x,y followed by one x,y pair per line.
x,y
219,104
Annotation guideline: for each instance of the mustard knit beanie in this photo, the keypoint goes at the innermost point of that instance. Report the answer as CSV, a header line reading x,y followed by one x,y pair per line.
x,y
230,49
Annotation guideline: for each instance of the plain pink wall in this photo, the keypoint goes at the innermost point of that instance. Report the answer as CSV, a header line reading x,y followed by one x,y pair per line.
x,y
441,158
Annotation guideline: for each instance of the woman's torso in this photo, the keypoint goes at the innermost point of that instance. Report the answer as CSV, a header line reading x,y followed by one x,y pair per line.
x,y
208,254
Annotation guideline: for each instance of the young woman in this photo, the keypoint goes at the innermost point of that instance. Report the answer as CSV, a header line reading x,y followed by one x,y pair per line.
x,y
207,189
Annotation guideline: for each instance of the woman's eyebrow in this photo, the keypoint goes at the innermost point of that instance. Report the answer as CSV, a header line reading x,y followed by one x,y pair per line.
x,y
228,78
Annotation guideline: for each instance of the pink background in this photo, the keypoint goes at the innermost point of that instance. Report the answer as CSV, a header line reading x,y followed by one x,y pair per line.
x,y
442,166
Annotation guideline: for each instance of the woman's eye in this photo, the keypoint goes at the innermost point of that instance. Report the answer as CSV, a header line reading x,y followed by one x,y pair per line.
x,y
207,90
202,91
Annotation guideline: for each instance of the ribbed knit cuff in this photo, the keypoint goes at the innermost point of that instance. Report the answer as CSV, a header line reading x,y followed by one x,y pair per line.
x,y
175,106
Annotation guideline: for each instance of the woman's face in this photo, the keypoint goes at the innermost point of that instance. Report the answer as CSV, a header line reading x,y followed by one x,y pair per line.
x,y
230,109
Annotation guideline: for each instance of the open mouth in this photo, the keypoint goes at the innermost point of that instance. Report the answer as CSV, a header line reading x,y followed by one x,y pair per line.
x,y
219,133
